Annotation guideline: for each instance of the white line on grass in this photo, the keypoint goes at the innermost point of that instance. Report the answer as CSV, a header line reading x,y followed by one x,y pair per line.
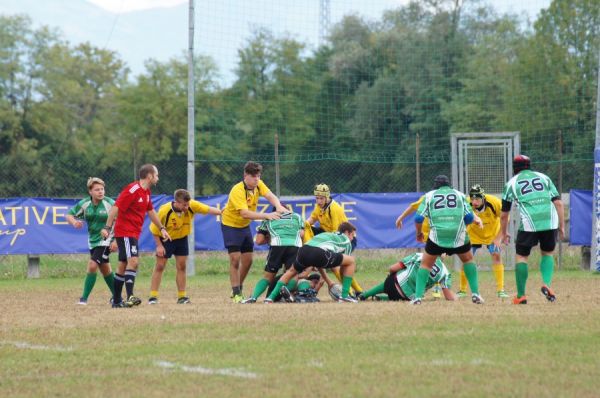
x,y
28,346
206,371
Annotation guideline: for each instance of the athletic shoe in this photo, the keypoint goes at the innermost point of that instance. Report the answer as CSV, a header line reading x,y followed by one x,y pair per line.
x,y
153,300
520,300
477,299
361,297
436,292
237,298
502,294
416,301
550,296
461,294
121,304
285,293
82,301
249,300
133,301
347,299
268,301
184,300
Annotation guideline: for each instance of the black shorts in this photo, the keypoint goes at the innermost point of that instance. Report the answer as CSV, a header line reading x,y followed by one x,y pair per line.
x,y
391,288
128,247
435,250
311,256
280,255
177,247
526,240
237,239
99,254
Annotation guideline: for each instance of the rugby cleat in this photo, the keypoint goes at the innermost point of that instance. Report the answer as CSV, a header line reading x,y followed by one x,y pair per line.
x,y
461,294
82,301
183,300
249,300
550,296
416,301
286,294
502,294
121,304
268,301
237,298
133,301
477,299
153,300
347,299
520,300
436,292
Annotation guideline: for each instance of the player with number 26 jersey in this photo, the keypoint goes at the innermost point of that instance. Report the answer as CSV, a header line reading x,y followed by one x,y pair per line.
x,y
446,208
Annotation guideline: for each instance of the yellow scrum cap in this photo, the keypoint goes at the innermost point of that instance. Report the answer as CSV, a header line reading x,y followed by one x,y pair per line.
x,y
322,190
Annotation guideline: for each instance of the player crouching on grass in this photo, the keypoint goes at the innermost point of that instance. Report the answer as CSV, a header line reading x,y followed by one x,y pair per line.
x,y
400,284
326,250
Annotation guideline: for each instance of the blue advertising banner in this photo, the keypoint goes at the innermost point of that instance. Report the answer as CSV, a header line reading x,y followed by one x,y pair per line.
x,y
39,225
580,216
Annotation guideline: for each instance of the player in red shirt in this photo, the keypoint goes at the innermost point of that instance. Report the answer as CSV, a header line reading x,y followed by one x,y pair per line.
x,y
131,207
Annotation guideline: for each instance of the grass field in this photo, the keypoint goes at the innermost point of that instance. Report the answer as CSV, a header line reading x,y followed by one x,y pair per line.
x,y
49,346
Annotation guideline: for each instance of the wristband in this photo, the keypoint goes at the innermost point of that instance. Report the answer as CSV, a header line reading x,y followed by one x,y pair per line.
x,y
163,227
107,227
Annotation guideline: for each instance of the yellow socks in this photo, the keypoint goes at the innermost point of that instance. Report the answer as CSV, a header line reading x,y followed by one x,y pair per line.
x,y
498,270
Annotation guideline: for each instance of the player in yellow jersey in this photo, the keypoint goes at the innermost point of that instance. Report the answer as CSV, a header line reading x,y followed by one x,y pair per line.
x,y
177,217
436,291
488,208
238,213
329,214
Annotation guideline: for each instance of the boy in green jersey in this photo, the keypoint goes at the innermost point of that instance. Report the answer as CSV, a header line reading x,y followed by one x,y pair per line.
x,y
542,218
94,211
326,250
448,214
285,237
401,282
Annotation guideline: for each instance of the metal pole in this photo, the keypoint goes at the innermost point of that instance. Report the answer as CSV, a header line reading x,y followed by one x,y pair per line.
x,y
277,176
560,189
191,154
418,160
595,255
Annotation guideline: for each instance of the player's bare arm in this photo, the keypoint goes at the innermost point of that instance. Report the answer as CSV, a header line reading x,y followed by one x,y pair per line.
x,y
156,221
112,215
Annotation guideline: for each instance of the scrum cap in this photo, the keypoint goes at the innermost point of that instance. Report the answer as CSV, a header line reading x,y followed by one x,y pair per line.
x,y
476,191
322,190
521,162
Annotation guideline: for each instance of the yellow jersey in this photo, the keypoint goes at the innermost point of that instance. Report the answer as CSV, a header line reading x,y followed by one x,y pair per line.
x,y
177,223
490,216
330,217
425,228
240,199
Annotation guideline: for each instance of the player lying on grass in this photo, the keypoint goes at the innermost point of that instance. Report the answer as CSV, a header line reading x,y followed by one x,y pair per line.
x,y
401,282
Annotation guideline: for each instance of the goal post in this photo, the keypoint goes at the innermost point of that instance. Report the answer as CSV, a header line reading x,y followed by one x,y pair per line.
x,y
486,159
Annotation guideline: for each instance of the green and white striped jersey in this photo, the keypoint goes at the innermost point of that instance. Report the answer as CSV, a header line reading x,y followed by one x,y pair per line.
x,y
285,231
533,193
95,217
332,241
407,278
446,208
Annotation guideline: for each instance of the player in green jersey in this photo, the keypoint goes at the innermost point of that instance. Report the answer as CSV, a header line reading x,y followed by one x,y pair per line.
x,y
326,250
401,282
542,217
448,214
285,237
94,211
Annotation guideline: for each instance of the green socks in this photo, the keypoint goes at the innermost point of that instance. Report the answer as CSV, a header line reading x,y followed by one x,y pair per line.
x,y
260,287
291,285
88,285
374,290
110,282
521,274
422,278
547,269
276,290
471,274
346,283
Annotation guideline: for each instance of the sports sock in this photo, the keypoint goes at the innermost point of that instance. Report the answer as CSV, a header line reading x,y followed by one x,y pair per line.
x,y
110,281
346,286
291,285
547,269
129,281
463,281
88,284
154,293
119,281
235,290
521,275
336,272
422,278
276,290
471,274
498,270
356,286
260,287
374,290
181,293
